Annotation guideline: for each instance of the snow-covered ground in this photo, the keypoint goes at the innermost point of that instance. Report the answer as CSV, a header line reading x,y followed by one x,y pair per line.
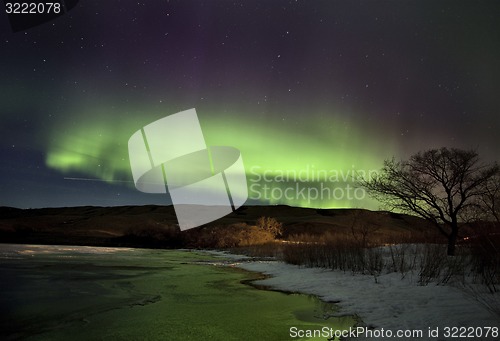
x,y
390,303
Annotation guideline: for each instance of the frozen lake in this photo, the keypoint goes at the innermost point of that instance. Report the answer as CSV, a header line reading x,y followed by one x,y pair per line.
x,y
88,293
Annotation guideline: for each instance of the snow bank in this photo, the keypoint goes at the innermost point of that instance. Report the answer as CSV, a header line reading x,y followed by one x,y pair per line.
x,y
390,303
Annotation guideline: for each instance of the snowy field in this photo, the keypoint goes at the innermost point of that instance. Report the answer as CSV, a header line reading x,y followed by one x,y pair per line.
x,y
390,304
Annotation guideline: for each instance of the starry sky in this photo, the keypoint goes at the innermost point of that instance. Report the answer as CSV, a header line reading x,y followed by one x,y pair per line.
x,y
311,92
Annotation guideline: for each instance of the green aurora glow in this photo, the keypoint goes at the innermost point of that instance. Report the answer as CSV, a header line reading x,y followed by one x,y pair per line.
x,y
277,155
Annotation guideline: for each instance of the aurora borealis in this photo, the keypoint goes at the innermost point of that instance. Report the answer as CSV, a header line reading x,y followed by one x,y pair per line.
x,y
317,88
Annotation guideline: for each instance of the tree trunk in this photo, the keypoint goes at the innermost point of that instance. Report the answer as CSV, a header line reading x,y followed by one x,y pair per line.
x,y
452,239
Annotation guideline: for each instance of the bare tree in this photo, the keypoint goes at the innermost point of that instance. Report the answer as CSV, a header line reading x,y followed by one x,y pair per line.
x,y
439,185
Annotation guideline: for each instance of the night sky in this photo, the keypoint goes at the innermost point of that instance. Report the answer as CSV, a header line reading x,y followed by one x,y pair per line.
x,y
296,86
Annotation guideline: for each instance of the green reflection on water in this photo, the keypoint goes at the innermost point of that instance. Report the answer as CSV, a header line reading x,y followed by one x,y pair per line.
x,y
146,294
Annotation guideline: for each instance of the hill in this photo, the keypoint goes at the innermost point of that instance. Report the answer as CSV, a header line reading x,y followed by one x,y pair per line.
x,y
156,226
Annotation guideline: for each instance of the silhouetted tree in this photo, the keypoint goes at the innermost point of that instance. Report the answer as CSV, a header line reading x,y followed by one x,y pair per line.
x,y
439,185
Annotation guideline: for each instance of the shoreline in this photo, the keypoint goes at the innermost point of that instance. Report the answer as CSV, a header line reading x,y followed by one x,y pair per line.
x,y
388,304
